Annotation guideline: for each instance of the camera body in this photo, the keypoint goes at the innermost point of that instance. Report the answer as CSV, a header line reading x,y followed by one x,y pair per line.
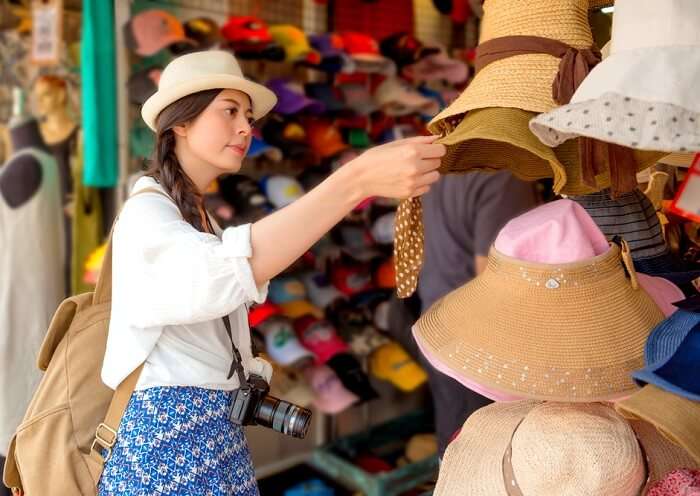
x,y
252,405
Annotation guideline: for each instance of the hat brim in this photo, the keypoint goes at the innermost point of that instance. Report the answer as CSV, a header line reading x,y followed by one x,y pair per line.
x,y
505,328
667,427
664,103
494,139
684,160
263,100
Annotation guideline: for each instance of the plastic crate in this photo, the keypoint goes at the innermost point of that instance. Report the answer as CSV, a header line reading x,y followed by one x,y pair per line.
x,y
387,439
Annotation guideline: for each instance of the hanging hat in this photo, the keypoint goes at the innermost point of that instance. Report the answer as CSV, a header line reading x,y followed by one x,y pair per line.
x,y
324,138
390,362
675,417
558,314
365,54
644,94
351,374
285,289
405,49
150,31
397,98
281,190
295,43
203,31
553,449
199,71
319,337
330,396
679,482
436,67
281,342
291,98
672,356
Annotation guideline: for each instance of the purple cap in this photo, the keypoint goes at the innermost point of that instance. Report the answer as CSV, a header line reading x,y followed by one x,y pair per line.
x,y
291,100
323,43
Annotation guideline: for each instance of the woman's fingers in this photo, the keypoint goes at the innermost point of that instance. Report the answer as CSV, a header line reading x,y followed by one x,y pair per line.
x,y
420,191
427,179
430,150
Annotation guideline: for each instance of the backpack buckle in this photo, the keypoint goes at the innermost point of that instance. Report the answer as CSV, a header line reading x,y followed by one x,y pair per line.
x,y
106,442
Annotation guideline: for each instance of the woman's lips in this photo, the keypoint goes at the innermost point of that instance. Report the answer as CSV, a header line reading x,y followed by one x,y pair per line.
x,y
239,150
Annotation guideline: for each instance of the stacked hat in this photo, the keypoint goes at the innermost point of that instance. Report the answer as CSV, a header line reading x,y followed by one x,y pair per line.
x,y
330,396
397,98
295,43
150,31
525,65
281,342
365,54
630,102
392,363
282,190
291,98
558,314
405,49
531,448
249,37
319,337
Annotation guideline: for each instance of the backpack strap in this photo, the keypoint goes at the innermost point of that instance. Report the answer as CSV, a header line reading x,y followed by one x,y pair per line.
x,y
106,432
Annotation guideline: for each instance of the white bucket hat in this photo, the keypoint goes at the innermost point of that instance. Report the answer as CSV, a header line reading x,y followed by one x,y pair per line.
x,y
202,71
644,95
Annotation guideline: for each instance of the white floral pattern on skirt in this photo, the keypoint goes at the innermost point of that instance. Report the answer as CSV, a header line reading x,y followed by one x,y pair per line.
x,y
179,441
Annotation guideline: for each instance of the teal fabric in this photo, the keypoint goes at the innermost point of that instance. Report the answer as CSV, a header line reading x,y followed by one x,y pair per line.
x,y
99,95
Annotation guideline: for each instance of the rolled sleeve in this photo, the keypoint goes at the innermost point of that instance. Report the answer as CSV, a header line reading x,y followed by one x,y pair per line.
x,y
237,243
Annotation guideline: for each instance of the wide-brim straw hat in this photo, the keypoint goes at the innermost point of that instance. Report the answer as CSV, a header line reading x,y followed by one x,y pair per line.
x,y
493,139
522,81
675,417
555,449
644,95
200,71
684,160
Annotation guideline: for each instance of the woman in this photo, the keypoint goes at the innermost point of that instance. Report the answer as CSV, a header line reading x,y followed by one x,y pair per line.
x,y
175,277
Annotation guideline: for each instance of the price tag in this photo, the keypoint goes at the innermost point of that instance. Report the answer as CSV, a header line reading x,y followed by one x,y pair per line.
x,y
47,31
687,200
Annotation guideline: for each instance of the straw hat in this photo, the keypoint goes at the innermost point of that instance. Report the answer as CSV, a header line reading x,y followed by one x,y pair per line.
x,y
644,94
199,71
676,418
522,81
553,316
678,159
554,449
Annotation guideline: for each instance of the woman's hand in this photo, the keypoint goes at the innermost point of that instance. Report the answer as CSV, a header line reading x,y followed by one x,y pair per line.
x,y
401,169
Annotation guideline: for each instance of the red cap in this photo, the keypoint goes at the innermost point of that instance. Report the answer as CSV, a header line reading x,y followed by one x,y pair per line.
x,y
260,313
359,44
246,29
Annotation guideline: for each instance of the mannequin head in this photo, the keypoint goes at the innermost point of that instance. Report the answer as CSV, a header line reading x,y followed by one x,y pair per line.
x,y
50,95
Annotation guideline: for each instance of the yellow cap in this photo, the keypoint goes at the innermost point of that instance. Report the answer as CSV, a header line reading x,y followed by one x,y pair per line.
x,y
392,363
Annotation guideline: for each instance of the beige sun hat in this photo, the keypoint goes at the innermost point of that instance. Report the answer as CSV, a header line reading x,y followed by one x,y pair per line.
x,y
200,71
644,95
528,448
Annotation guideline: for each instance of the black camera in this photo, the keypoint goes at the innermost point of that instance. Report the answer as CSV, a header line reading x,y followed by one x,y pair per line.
x,y
252,405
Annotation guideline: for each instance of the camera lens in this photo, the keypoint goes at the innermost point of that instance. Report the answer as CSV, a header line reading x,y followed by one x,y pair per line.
x,y
283,417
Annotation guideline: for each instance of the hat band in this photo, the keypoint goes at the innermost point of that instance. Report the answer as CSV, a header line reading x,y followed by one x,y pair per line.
x,y
510,483
622,165
574,66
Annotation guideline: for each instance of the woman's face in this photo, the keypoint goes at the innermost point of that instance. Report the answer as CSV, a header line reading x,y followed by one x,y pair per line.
x,y
220,136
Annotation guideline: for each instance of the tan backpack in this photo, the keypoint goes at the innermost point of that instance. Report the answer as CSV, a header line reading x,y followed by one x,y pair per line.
x,y
73,416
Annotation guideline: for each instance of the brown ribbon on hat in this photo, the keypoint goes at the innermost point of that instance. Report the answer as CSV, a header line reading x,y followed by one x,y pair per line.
x,y
574,66
408,246
622,165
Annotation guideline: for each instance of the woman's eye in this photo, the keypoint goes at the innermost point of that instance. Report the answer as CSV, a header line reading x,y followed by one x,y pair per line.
x,y
231,111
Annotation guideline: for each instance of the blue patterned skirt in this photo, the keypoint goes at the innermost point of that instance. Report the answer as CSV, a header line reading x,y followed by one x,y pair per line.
x,y
179,441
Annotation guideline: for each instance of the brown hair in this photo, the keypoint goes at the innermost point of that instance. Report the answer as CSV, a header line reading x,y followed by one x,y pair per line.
x,y
166,168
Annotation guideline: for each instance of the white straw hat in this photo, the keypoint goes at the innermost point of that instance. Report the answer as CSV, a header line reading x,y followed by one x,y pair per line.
x,y
202,71
644,95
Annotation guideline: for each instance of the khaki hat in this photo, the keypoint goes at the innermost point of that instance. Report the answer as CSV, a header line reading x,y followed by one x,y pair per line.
x,y
200,71
675,417
531,448
684,160
558,313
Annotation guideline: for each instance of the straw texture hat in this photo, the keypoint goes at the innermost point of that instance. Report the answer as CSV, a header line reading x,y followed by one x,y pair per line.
x,y
199,71
676,418
530,448
556,314
644,95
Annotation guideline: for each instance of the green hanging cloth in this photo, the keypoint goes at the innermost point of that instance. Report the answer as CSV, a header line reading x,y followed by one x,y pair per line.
x,y
99,95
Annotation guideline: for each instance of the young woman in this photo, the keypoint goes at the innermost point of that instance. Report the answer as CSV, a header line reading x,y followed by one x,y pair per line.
x,y
175,277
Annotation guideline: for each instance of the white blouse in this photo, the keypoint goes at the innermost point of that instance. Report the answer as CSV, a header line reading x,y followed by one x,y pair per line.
x,y
171,285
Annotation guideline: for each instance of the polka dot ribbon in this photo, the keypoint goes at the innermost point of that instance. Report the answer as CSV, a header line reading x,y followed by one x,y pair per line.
x,y
408,246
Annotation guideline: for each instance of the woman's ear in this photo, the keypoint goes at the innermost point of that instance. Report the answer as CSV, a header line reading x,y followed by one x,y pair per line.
x,y
180,130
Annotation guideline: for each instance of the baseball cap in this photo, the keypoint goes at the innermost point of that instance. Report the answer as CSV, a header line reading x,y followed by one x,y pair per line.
x,y
262,312
150,31
321,292
333,59
365,53
295,43
319,337
324,93
249,30
392,363
281,342
385,275
299,308
397,98
351,375
291,98
365,340
281,190
261,148
405,49
324,138
330,396
287,134
143,84
245,195
351,279
358,98
285,289
203,31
